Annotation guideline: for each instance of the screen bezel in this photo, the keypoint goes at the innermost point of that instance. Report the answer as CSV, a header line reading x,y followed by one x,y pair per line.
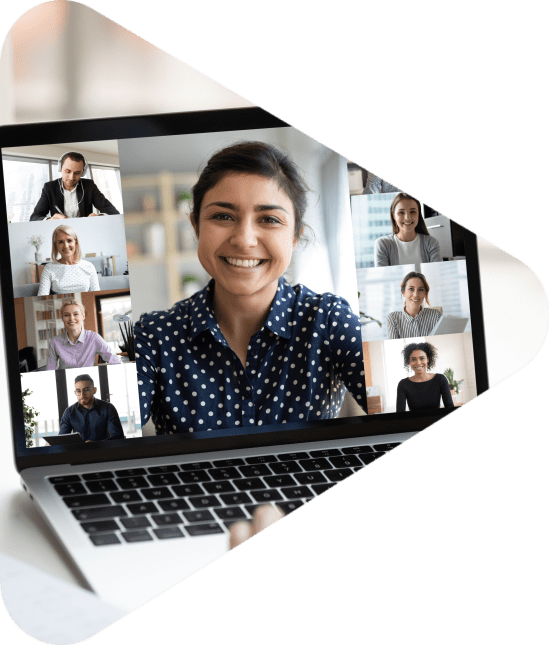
x,y
146,447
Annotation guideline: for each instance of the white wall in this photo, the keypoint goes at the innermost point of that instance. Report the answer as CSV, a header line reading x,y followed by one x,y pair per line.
x,y
104,234
54,152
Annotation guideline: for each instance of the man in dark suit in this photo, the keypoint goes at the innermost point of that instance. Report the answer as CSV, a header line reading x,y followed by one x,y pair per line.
x,y
70,195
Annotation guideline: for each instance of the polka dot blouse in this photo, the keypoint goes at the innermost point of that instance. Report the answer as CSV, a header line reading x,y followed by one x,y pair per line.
x,y
68,278
297,367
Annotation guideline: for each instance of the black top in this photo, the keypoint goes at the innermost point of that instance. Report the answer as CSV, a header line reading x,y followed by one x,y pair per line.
x,y
424,395
100,422
87,194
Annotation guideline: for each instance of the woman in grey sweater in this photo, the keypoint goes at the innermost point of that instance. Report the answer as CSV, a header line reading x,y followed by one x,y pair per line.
x,y
410,242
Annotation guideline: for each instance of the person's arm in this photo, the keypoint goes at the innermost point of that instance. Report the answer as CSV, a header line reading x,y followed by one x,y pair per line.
x,y
42,208
65,426
114,426
52,356
105,352
392,331
445,392
45,282
401,398
435,254
100,202
346,348
147,363
381,252
94,280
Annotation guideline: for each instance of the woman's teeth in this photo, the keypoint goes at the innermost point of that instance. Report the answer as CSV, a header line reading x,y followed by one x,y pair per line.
x,y
235,262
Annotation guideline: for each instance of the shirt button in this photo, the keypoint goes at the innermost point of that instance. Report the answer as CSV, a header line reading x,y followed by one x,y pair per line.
x,y
247,394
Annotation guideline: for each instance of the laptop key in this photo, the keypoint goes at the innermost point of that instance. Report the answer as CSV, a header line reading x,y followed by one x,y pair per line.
x,y
198,516
64,479
254,483
386,446
126,496
292,456
188,489
219,487
99,512
367,458
196,465
137,536
260,470
126,483
157,493
139,522
282,467
142,509
327,452
262,459
167,518
251,508
206,501
234,513
91,476
130,472
87,500
297,492
70,489
236,498
313,477
159,470
316,464
168,532
224,463
163,480
100,527
104,538
288,507
195,530
174,505
320,488
194,476
224,473
346,461
338,475
275,481
356,450
102,486
266,495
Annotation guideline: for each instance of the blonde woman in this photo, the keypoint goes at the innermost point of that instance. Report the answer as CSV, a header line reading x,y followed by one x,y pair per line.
x,y
67,272
76,346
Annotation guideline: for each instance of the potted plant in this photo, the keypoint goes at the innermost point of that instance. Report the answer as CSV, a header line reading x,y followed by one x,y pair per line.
x,y
30,415
37,241
452,382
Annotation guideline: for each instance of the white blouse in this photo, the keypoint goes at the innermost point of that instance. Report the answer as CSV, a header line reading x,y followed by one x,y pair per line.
x,y
68,278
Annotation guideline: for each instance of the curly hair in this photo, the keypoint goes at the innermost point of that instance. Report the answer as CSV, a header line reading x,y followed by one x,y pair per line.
x,y
429,349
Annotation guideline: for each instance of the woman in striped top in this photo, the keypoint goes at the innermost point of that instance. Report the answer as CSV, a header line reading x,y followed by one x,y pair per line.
x,y
414,320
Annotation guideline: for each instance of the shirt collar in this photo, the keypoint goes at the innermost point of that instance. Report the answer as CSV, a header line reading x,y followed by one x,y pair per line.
x,y
278,320
407,315
80,338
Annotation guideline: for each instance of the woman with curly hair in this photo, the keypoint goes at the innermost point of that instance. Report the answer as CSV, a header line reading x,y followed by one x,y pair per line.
x,y
423,390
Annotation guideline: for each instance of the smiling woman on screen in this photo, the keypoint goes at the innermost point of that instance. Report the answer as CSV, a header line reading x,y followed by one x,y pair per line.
x,y
414,319
411,242
249,349
69,273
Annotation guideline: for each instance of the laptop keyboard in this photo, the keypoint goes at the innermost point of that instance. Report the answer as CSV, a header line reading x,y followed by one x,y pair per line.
x,y
203,497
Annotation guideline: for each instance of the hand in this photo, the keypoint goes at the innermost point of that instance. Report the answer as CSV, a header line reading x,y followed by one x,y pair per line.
x,y
58,216
262,518
93,214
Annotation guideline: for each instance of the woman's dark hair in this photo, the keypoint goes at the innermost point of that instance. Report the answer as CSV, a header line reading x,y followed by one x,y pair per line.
x,y
420,226
431,352
254,158
415,274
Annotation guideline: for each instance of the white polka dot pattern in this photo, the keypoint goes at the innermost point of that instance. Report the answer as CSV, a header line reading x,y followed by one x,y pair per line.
x,y
68,278
298,365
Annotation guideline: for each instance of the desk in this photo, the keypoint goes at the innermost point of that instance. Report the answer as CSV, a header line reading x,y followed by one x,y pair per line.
x,y
25,536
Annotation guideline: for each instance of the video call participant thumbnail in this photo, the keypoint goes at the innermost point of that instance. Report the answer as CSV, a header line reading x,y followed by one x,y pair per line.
x,y
76,346
411,242
71,195
249,349
414,319
92,418
69,273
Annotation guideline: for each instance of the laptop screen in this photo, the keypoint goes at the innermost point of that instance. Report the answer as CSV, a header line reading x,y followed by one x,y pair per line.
x,y
217,276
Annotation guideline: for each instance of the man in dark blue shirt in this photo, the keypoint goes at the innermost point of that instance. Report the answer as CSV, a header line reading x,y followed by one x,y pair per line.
x,y
93,419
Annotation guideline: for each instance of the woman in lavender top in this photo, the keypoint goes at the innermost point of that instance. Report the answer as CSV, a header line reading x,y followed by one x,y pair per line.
x,y
76,346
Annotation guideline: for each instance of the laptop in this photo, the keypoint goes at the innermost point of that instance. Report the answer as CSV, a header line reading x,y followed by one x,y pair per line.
x,y
154,489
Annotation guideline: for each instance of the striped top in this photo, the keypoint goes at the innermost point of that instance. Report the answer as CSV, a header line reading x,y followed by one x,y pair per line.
x,y
402,325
